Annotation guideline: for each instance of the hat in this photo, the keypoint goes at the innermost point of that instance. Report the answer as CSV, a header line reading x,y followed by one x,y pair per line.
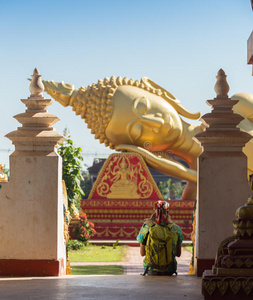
x,y
162,212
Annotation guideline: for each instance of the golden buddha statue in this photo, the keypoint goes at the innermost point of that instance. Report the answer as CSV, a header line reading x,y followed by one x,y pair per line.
x,y
142,117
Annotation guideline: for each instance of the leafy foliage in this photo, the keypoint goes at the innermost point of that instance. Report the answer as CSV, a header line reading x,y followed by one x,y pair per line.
x,y
164,188
84,230
170,190
86,184
177,190
71,169
75,245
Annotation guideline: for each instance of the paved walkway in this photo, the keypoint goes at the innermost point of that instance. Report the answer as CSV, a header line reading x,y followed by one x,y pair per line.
x,y
106,287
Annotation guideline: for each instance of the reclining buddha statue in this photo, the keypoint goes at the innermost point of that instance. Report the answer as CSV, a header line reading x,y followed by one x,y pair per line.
x,y
142,117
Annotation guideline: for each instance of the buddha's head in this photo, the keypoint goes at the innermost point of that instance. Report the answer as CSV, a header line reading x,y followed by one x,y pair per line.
x,y
145,115
124,111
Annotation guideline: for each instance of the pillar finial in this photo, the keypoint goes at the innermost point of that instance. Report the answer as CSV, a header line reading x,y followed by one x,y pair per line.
x,y
36,136
221,87
36,86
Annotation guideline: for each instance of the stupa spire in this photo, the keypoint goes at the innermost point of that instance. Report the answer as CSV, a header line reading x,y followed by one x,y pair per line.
x,y
36,133
221,87
36,86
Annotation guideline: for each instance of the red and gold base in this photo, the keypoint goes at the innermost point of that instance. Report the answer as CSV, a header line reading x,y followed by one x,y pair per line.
x,y
123,196
31,267
122,219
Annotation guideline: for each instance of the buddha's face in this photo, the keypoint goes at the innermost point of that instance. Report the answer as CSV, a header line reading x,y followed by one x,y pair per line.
x,y
143,119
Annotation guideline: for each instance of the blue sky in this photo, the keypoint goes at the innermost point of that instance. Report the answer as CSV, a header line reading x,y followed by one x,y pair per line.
x,y
179,44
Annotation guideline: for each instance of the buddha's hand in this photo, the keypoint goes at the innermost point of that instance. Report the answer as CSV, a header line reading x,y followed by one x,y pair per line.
x,y
166,166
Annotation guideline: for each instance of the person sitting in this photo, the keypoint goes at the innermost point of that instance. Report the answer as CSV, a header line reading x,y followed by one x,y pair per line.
x,y
160,242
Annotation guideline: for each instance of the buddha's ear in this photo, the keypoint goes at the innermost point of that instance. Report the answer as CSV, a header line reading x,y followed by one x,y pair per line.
x,y
136,131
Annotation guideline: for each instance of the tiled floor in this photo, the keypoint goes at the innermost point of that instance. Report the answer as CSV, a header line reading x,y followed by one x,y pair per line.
x,y
102,287
106,287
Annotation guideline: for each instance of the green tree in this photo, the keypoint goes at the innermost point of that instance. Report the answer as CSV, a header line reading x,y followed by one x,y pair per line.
x,y
86,183
177,189
71,169
164,188
170,190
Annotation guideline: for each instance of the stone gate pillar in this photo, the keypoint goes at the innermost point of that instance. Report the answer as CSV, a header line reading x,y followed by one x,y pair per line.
x,y
31,204
222,175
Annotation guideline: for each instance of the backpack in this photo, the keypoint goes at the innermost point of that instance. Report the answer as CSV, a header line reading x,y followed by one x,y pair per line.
x,y
159,249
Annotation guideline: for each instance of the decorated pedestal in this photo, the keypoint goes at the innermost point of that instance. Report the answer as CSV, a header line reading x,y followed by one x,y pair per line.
x,y
232,275
124,195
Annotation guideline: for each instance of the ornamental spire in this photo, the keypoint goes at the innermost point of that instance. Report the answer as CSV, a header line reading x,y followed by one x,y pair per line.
x,y
222,133
36,86
221,87
36,134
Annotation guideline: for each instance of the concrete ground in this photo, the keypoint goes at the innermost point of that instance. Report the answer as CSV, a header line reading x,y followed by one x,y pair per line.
x,y
128,286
